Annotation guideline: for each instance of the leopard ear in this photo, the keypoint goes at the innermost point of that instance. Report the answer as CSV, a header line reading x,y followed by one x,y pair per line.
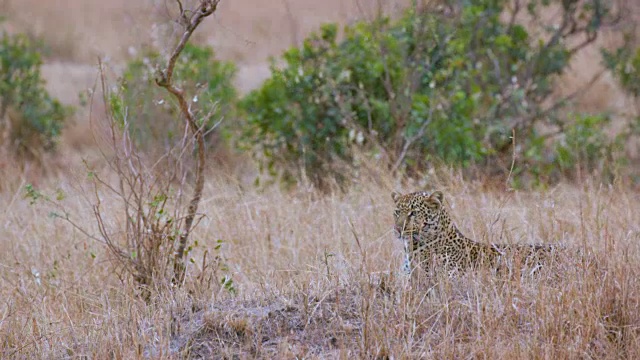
x,y
396,196
438,197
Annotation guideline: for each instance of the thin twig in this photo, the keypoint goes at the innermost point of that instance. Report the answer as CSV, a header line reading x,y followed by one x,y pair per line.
x,y
408,142
513,156
190,21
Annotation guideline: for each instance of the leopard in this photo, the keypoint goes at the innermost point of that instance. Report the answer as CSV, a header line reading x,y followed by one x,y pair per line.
x,y
432,239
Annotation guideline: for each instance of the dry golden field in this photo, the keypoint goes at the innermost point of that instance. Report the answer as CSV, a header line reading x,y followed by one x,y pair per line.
x,y
314,276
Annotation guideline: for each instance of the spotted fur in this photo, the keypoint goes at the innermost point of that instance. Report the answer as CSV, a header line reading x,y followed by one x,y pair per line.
x,y
429,235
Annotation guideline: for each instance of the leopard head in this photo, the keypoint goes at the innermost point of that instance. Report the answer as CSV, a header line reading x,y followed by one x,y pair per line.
x,y
419,213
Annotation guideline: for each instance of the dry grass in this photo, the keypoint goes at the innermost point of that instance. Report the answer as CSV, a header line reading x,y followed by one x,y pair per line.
x,y
309,284
315,277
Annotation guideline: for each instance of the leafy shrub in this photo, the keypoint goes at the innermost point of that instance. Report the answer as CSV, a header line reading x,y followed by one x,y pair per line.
x,y
585,142
624,63
151,113
30,119
152,242
582,145
451,85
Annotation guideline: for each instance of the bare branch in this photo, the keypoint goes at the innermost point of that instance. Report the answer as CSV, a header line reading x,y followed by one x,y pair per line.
x,y
409,141
190,21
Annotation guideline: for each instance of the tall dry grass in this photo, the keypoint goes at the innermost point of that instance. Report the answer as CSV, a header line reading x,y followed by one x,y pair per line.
x,y
316,277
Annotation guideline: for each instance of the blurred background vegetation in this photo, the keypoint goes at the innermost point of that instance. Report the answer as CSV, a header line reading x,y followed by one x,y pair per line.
x,y
472,84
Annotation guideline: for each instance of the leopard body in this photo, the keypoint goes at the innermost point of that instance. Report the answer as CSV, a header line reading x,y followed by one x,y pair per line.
x,y
431,238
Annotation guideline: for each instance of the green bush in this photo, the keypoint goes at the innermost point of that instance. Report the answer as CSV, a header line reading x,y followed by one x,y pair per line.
x,y
581,145
429,86
151,114
30,119
585,143
624,63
